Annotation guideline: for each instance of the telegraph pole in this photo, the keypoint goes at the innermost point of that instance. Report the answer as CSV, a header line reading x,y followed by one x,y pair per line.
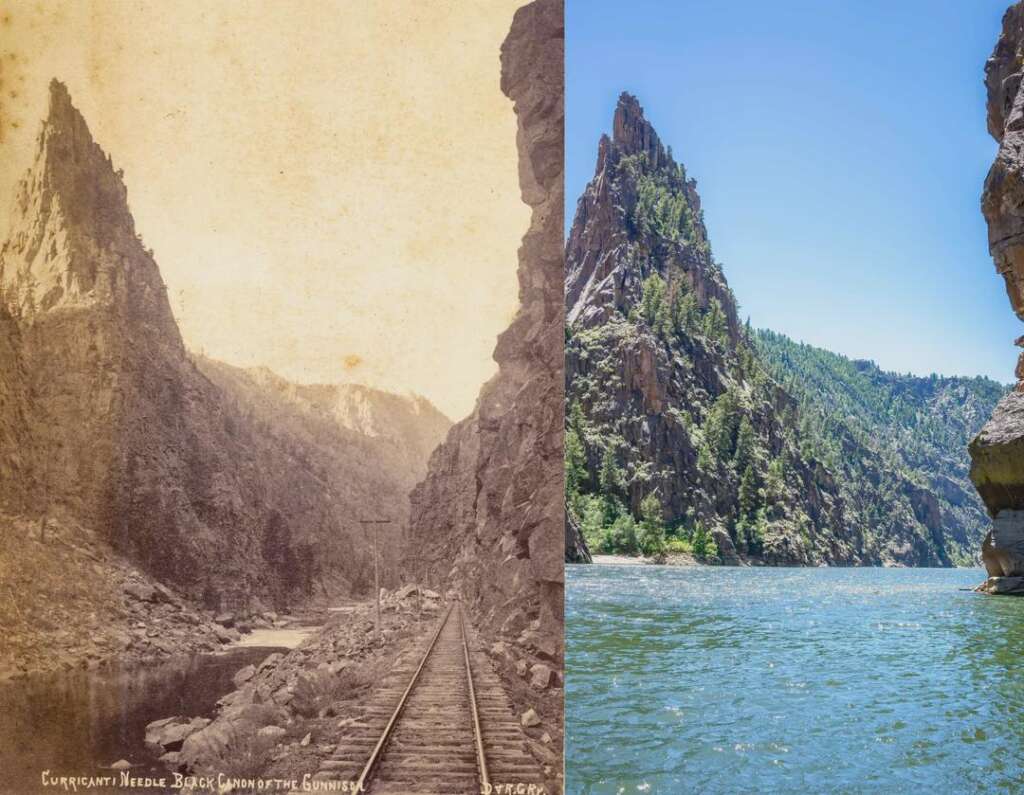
x,y
376,574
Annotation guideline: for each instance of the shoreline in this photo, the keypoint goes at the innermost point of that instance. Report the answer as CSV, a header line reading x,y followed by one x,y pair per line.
x,y
688,561
640,560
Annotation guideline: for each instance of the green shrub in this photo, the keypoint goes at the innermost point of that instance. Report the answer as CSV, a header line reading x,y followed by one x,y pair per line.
x,y
678,546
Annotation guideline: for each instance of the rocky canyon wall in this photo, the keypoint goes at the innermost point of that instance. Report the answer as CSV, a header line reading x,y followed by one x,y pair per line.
x,y
488,518
997,453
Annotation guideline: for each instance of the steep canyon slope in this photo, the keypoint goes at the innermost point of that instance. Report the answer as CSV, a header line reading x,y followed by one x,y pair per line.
x,y
688,431
213,480
997,453
488,518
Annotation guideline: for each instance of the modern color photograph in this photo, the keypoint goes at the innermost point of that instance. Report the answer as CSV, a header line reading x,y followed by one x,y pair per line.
x,y
793,434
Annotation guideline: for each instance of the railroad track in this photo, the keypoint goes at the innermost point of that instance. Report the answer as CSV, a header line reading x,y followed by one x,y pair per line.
x,y
438,724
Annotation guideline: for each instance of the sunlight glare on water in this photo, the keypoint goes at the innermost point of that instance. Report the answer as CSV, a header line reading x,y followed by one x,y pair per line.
x,y
721,680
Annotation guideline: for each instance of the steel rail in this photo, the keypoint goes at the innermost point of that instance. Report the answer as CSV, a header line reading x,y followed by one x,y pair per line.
x,y
481,758
386,735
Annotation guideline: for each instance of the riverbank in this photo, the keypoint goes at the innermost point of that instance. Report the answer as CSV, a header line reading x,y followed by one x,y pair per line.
x,y
676,559
68,601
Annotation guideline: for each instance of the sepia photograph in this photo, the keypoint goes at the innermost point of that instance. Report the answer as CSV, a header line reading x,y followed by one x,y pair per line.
x,y
281,356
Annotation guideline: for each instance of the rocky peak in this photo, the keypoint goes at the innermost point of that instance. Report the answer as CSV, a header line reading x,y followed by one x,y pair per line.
x,y
632,134
72,241
639,215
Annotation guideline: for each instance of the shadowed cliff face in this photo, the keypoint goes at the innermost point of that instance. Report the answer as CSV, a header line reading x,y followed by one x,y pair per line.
x,y
997,453
488,518
1003,198
211,479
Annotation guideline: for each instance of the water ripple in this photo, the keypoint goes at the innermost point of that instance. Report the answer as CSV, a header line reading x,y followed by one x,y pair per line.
x,y
791,680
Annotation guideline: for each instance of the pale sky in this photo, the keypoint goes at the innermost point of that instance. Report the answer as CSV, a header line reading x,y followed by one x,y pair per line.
x,y
330,188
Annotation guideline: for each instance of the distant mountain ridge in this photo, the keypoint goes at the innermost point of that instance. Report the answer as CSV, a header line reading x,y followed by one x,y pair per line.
x,y
409,423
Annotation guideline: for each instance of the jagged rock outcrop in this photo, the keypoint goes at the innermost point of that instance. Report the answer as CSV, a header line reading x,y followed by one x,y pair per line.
x,y
997,452
488,518
107,419
670,398
605,263
1002,201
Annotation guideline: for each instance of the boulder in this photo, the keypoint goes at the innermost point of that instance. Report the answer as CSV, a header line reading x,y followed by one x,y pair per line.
x,y
1003,586
225,619
205,748
140,591
270,735
530,718
163,593
244,675
270,660
170,734
498,649
172,760
726,549
1002,552
540,676
225,635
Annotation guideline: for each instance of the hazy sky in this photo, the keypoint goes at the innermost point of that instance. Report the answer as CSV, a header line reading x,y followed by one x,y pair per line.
x,y
330,188
839,149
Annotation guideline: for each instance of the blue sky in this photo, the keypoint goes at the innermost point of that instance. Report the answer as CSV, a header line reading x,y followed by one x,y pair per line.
x,y
839,150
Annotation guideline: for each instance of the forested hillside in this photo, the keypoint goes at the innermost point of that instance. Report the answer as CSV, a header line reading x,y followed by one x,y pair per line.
x,y
916,427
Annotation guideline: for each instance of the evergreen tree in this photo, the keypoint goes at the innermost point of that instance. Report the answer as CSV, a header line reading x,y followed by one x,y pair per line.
x,y
577,419
703,544
715,326
621,535
652,299
775,480
748,497
685,315
610,478
721,423
746,444
575,463
592,522
651,535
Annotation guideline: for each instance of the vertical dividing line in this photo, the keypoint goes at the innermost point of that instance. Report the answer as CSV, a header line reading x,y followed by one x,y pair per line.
x,y
481,758
386,734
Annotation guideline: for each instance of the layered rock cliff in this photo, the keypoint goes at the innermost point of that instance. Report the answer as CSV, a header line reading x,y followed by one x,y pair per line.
x,y
997,452
679,435
186,467
488,518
